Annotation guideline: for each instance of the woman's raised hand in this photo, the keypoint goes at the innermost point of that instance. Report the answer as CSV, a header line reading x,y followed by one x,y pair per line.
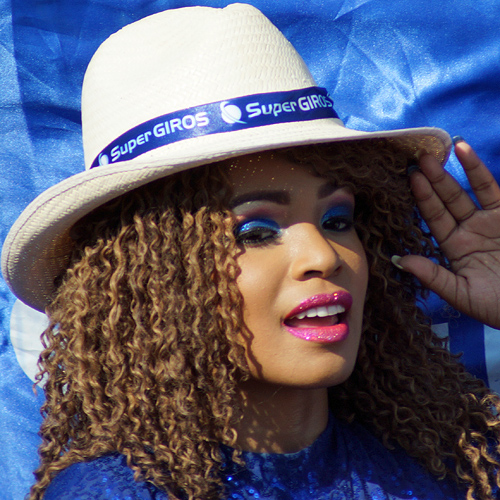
x,y
468,235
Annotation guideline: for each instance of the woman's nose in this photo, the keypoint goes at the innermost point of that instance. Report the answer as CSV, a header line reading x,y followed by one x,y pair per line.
x,y
313,255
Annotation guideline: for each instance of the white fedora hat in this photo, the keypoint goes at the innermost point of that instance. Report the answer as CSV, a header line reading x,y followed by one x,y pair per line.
x,y
172,91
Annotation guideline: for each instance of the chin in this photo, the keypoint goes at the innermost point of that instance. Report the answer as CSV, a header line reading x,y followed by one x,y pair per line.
x,y
332,381
308,379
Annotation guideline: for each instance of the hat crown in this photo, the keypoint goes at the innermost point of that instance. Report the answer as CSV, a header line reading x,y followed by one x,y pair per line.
x,y
179,59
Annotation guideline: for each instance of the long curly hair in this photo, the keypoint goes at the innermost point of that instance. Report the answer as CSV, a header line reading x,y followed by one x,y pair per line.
x,y
144,352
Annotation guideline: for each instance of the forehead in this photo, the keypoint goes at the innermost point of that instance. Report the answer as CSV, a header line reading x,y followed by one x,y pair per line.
x,y
270,170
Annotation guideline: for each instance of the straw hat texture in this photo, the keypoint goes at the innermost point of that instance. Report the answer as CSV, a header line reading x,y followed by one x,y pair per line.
x,y
175,90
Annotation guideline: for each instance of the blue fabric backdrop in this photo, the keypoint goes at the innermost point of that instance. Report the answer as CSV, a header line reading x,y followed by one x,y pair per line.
x,y
387,64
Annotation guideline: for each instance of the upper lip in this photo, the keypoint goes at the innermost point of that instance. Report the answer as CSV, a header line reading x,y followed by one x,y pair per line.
x,y
339,298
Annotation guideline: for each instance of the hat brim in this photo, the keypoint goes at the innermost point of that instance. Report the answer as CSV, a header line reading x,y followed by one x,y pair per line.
x,y
38,245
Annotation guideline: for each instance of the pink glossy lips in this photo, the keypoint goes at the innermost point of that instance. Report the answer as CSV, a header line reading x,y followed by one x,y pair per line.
x,y
321,318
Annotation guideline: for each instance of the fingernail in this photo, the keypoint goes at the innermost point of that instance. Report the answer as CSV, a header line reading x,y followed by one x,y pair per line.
x,y
412,167
395,259
458,138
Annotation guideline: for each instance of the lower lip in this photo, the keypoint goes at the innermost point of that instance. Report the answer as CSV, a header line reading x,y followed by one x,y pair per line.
x,y
322,335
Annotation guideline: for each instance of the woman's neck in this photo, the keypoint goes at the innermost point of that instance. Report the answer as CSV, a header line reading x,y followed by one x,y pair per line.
x,y
279,419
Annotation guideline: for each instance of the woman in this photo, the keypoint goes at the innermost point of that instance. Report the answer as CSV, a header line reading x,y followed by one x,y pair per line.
x,y
238,329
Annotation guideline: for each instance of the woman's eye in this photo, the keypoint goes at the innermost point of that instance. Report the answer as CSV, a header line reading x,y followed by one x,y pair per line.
x,y
257,231
339,219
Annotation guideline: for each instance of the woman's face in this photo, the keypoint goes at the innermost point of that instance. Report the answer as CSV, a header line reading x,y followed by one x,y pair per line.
x,y
303,272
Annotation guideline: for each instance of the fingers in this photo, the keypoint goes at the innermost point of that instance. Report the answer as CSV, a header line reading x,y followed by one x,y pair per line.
x,y
449,191
480,178
443,203
434,277
441,200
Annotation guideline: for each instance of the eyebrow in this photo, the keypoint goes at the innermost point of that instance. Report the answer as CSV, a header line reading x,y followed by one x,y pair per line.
x,y
279,197
326,189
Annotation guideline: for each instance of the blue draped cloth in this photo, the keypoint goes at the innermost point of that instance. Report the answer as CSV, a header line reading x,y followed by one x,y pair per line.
x,y
346,462
387,65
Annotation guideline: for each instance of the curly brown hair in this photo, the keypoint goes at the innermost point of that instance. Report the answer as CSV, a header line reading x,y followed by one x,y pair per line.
x,y
144,352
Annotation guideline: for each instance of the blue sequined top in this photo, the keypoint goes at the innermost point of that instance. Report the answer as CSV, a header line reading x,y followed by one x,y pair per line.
x,y
346,462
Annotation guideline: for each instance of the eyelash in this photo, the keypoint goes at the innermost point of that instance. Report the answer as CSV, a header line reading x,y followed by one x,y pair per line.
x,y
338,216
257,232
260,232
